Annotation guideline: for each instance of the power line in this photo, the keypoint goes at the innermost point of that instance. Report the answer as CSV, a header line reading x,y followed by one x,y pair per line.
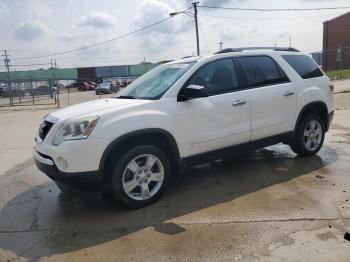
x,y
274,10
33,64
269,18
99,43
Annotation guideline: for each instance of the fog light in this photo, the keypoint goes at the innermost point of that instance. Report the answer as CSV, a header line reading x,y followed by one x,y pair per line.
x,y
61,163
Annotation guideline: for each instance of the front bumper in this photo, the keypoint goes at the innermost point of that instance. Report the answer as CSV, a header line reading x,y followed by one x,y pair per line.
x,y
82,181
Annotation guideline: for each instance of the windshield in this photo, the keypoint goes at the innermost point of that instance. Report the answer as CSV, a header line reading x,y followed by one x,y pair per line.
x,y
156,82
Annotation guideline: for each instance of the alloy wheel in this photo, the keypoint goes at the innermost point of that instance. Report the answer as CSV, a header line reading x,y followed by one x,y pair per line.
x,y
143,177
312,135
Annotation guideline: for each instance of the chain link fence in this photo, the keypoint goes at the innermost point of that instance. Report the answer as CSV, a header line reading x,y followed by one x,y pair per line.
x,y
19,93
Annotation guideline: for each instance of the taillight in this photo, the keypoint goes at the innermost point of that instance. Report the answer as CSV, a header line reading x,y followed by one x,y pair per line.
x,y
331,87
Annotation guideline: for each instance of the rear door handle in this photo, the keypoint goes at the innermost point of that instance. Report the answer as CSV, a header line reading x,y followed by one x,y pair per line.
x,y
239,103
288,93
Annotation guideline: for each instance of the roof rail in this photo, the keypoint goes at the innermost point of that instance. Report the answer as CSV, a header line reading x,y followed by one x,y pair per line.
x,y
240,49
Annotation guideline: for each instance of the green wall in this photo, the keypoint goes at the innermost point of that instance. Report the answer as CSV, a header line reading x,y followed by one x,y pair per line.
x,y
140,69
60,74
68,73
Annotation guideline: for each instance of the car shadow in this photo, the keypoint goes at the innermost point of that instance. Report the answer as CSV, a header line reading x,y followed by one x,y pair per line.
x,y
42,221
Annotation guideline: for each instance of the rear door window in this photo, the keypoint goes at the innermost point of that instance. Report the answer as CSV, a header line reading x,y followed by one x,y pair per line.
x,y
262,71
303,65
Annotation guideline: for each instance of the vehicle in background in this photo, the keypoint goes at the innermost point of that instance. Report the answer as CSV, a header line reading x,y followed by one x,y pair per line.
x,y
15,92
43,90
2,90
93,85
82,86
71,85
106,88
125,83
58,87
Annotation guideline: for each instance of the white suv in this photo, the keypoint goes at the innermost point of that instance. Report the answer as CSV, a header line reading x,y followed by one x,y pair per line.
x,y
185,113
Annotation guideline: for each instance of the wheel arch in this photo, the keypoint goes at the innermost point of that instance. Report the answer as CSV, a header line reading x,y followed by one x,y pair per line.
x,y
155,136
317,107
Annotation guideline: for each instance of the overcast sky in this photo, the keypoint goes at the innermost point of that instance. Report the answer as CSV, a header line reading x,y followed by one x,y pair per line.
x,y
39,27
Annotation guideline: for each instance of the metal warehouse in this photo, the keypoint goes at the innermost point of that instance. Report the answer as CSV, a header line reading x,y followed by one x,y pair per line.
x,y
336,43
80,74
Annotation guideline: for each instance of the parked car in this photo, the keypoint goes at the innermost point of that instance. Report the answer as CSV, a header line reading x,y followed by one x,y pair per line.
x,y
82,86
15,92
106,88
125,83
71,85
2,90
93,85
42,91
59,86
185,113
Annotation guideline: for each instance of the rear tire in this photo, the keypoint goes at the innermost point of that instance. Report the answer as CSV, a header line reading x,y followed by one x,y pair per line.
x,y
309,136
140,176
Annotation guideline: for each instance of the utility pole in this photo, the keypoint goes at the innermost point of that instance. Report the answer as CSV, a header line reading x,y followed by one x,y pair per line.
x,y
195,16
55,73
195,5
31,85
51,71
52,80
9,84
220,46
55,92
290,41
339,60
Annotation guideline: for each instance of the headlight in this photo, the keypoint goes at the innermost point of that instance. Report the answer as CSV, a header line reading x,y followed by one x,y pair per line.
x,y
75,129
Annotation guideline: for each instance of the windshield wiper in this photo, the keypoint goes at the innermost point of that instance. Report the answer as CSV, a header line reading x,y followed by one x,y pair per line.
x,y
126,97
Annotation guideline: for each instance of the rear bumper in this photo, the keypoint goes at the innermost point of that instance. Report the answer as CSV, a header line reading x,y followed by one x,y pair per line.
x,y
81,182
329,120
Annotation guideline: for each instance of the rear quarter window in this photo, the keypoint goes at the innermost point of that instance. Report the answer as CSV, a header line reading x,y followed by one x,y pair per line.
x,y
303,65
262,71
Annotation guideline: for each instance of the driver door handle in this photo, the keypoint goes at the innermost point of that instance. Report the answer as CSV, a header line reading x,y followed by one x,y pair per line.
x,y
288,93
239,103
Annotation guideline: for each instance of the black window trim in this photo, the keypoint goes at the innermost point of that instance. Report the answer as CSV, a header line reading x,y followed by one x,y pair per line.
x,y
240,81
281,71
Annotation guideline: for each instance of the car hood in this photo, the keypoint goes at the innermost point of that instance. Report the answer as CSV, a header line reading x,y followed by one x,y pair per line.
x,y
95,107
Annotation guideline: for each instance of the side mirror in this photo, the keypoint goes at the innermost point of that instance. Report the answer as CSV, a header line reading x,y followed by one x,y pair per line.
x,y
192,91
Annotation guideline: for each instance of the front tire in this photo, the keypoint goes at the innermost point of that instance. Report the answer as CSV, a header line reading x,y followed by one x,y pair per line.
x,y
309,136
140,176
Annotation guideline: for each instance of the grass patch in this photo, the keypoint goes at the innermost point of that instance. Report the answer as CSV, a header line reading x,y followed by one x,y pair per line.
x,y
334,75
